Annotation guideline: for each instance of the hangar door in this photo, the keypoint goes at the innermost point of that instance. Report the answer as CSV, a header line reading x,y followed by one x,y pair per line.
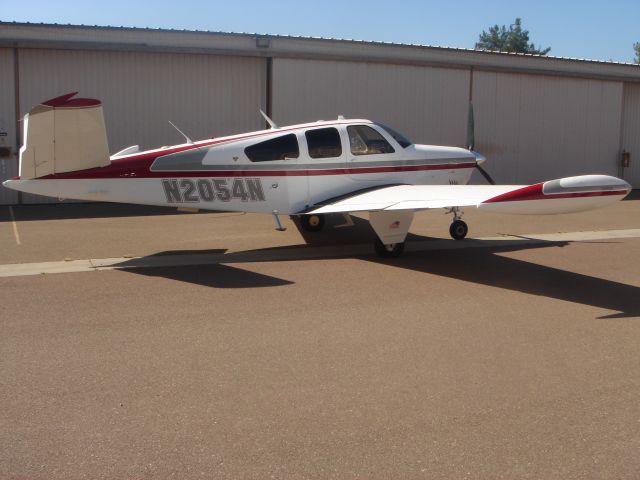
x,y
631,133
536,127
205,95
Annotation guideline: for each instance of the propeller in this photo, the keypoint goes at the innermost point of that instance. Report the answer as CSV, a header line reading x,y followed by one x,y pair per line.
x,y
471,141
471,137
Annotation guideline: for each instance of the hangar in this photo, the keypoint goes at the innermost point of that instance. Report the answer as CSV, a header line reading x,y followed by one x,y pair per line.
x,y
536,117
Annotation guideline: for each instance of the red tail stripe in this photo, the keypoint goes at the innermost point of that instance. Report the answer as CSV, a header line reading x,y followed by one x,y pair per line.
x,y
66,101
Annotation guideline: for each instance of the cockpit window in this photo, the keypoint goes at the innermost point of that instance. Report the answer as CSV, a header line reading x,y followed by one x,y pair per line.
x,y
364,140
397,136
279,148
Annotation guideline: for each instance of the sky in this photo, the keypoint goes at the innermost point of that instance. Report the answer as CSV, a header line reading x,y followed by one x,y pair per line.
x,y
597,30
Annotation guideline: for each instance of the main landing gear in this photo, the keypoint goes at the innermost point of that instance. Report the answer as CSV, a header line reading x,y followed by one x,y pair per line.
x,y
392,226
458,229
312,223
391,250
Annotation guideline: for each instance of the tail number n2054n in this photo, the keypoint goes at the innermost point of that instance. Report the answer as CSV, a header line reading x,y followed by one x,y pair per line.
x,y
187,190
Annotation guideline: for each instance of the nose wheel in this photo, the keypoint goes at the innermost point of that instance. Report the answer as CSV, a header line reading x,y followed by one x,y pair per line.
x,y
458,230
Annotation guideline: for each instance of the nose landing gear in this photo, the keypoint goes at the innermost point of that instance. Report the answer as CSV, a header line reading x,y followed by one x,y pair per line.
x,y
458,229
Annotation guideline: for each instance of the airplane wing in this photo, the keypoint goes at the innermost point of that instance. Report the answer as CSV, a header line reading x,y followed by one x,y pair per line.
x,y
565,195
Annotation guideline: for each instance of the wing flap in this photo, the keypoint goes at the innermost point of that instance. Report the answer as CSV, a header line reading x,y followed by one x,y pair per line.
x,y
416,197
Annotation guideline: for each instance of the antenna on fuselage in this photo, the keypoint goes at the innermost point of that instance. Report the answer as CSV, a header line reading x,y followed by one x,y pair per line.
x,y
181,132
269,121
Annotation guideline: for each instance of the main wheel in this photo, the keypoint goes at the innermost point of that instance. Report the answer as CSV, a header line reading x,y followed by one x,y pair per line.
x,y
312,223
458,229
391,250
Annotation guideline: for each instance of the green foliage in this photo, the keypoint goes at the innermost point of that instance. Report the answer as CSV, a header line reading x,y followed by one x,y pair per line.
x,y
515,39
636,47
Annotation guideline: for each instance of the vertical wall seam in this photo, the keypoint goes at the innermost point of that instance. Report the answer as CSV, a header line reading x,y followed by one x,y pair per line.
x,y
621,138
269,86
16,108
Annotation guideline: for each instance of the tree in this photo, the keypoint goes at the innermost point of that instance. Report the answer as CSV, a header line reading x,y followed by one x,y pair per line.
x,y
515,39
636,47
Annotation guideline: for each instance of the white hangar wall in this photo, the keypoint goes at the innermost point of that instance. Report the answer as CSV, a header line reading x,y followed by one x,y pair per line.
x,y
204,95
427,104
530,127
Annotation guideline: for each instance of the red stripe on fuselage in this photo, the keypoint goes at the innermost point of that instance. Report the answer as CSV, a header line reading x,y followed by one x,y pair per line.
x,y
141,170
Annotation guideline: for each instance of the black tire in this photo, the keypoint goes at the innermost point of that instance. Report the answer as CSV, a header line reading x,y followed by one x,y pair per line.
x,y
312,223
458,230
388,251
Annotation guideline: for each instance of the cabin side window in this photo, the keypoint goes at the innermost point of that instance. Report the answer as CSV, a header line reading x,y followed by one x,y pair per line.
x,y
280,148
364,140
324,143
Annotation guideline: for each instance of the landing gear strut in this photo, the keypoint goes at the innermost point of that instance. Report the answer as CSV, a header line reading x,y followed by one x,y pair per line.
x,y
312,223
458,229
391,250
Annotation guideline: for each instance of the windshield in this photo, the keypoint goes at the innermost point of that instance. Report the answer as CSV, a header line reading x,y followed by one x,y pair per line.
x,y
398,137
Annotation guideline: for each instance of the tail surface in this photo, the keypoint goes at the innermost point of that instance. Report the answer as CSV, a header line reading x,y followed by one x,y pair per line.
x,y
63,134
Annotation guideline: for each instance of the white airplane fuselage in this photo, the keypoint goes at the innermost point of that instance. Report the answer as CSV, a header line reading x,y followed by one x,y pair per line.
x,y
219,174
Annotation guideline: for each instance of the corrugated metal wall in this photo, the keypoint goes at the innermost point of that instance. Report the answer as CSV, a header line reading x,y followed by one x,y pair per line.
x,y
205,95
534,127
428,104
8,165
530,127
631,132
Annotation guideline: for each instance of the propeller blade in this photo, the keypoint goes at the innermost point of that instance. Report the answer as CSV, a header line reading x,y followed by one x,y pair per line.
x,y
471,142
485,174
471,137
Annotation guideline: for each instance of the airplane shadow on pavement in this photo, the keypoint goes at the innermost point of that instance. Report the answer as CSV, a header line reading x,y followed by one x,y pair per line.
x,y
213,275
483,265
486,266
216,275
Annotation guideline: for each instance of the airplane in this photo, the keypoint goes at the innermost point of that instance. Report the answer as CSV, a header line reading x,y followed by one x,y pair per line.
x,y
307,171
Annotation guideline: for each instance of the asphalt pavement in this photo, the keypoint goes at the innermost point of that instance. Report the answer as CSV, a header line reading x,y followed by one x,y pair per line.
x,y
147,343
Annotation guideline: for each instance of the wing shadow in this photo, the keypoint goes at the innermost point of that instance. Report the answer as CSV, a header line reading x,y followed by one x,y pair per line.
x,y
212,275
196,267
485,266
